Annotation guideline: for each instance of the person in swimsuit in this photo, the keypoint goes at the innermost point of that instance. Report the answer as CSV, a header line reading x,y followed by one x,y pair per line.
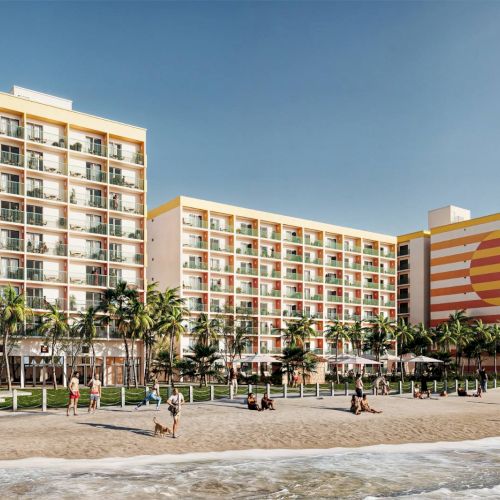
x,y
74,393
175,402
366,407
95,393
267,403
153,394
355,407
252,402
359,386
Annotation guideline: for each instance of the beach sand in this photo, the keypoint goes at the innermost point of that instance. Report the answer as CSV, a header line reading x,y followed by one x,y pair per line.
x,y
227,425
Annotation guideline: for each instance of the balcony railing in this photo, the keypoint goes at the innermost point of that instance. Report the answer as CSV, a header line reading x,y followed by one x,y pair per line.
x,y
82,253
124,232
12,244
221,289
46,193
293,239
269,312
332,316
126,206
336,246
12,159
315,243
370,285
88,228
370,269
333,281
270,293
134,283
270,331
246,310
192,222
349,248
270,255
224,229
352,300
195,287
293,276
247,290
12,187
126,181
352,317
313,279
90,174
333,263
247,251
44,165
387,270
88,279
197,307
87,147
12,273
43,303
370,302
316,297
333,298
202,245
388,255
215,247
88,201
12,131
222,269
389,303
127,155
388,287
247,271
309,260
51,221
59,250
370,251
356,284
352,265
126,257
293,295
48,138
33,274
83,305
195,265
9,215
247,231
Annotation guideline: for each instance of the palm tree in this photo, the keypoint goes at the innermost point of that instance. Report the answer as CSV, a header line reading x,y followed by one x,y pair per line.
x,y
446,338
297,331
404,333
458,323
495,338
201,362
85,328
54,327
206,330
482,337
141,323
295,358
378,339
149,336
13,313
357,334
337,332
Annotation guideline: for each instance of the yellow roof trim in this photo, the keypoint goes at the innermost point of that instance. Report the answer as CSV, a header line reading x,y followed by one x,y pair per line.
x,y
412,236
466,223
166,207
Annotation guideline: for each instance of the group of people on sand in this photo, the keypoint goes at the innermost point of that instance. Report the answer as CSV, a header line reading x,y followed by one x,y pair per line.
x,y
359,400
74,393
266,403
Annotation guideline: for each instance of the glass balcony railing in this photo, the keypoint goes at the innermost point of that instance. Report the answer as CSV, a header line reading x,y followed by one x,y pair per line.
x,y
333,263
12,159
9,215
332,316
311,260
352,265
267,330
292,313
313,279
264,311
387,270
247,271
370,251
195,222
221,269
43,303
370,285
44,165
126,206
88,279
126,257
80,172
270,254
125,181
82,253
48,138
52,221
46,193
195,287
387,255
352,248
316,297
370,269
12,187
247,231
11,130
270,293
293,276
49,276
370,302
333,298
195,265
352,300
126,232
197,307
215,247
200,245
293,239
90,148
333,281
246,310
293,258
293,295
247,251
221,289
334,245
12,244
352,317
247,290
88,201
127,155
356,284
224,229
83,305
222,308
88,228
314,243
388,287
134,283
58,250
389,303
12,273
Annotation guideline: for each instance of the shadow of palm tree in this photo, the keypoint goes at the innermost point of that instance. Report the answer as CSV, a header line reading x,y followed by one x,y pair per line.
x,y
112,427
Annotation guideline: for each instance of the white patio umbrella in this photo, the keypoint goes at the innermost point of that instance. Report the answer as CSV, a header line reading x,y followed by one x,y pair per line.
x,y
258,358
423,359
352,360
389,357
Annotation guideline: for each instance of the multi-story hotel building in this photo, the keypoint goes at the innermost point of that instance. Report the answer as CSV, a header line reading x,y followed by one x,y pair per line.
x,y
264,269
72,219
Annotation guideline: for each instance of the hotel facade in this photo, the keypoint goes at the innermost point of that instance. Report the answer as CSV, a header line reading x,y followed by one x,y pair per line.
x,y
72,220
263,270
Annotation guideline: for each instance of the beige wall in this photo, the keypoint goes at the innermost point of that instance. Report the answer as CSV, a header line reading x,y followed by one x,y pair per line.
x,y
419,280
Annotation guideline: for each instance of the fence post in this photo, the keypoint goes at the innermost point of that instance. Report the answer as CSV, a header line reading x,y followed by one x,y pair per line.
x,y
145,394
14,399
346,388
332,389
412,387
477,385
400,387
268,389
446,386
231,392
44,399
191,398
301,390
249,388
317,389
285,391
456,386
374,389
466,385
212,393
494,383
123,397
435,386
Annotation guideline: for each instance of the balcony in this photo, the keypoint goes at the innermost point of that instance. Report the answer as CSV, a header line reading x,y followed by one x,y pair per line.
x,y
334,298
123,232
133,283
352,265
222,309
266,330
195,287
352,300
388,255
47,276
45,193
48,138
293,276
352,317
80,253
89,174
215,247
389,303
12,187
352,249
12,159
270,255
199,245
332,317
293,295
197,307
127,155
126,257
126,206
313,243
195,265
43,303
293,258
247,231
370,269
124,181
58,250
88,201
91,148
11,130
335,246
292,314
246,310
247,271
270,293
275,274
195,222
88,228
356,284
387,270
247,251
334,263
318,262
83,305
293,239
50,221
333,281
370,251
43,165
313,279
247,291
222,269
370,302
221,289
388,287
12,244
370,285
316,297
9,215
12,273
264,311
269,235
89,279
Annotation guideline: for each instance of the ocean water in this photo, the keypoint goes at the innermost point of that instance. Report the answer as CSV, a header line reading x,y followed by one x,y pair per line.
x,y
467,469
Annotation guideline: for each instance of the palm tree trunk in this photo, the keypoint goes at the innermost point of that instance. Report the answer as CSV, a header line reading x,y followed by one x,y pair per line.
x,y
337,359
93,359
127,361
495,359
53,361
6,358
171,357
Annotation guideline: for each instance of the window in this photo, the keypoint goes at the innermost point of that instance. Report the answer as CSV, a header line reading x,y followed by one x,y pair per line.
x,y
9,126
403,250
94,145
35,160
94,171
35,132
34,187
403,265
115,151
10,155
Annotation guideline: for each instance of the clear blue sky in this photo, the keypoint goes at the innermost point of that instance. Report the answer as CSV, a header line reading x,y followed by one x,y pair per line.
x,y
358,114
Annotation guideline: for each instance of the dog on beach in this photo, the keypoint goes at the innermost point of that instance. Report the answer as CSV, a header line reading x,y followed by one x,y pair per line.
x,y
161,429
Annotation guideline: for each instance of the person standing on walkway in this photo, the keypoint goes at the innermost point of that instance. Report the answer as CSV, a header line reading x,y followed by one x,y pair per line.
x,y
233,376
95,393
359,386
74,393
175,402
152,395
483,379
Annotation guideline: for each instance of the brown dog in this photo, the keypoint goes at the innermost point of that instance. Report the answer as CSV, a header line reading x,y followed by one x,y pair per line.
x,y
160,429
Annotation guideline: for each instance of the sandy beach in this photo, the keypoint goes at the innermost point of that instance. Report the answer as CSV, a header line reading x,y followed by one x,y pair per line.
x,y
227,425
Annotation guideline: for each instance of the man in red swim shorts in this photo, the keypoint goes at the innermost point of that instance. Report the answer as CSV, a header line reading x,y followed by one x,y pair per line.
x,y
74,393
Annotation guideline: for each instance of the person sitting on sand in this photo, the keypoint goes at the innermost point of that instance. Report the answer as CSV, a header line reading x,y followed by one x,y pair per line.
x,y
479,393
461,391
416,392
267,403
424,389
443,394
355,406
366,407
152,395
252,402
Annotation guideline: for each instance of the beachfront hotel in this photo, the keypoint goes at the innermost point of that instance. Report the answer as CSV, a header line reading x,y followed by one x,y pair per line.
x,y
263,269
72,220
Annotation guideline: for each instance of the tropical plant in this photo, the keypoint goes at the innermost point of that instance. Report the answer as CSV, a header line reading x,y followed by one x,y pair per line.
x,y
85,328
54,327
379,335
297,358
404,334
141,323
495,342
481,339
297,331
357,334
206,330
200,362
13,313
338,333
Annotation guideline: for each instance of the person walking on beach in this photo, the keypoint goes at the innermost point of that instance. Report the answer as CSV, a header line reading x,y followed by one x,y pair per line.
x,y
483,379
74,393
153,394
175,402
95,393
359,386
233,376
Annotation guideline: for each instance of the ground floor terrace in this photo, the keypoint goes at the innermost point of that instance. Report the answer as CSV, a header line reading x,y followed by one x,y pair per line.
x,y
31,364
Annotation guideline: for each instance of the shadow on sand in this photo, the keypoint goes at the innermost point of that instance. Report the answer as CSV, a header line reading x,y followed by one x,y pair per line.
x,y
111,427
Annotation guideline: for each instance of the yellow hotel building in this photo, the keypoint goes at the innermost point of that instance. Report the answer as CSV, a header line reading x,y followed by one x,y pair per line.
x,y
72,220
263,269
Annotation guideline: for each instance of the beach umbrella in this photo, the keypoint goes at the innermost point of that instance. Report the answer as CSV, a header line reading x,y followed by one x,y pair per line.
x,y
423,359
389,357
352,360
258,358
